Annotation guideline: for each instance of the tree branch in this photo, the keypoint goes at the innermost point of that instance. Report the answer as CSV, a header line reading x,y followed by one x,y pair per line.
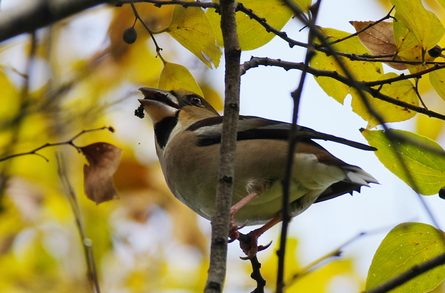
x,y
220,220
286,65
37,14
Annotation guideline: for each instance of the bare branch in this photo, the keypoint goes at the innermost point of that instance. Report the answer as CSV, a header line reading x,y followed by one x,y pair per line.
x,y
68,142
286,65
159,3
220,220
293,141
37,14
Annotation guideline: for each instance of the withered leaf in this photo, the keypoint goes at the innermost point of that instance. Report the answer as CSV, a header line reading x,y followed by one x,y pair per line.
x,y
379,40
103,159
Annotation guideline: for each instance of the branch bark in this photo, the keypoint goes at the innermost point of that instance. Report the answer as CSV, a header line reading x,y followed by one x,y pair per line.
x,y
37,14
220,220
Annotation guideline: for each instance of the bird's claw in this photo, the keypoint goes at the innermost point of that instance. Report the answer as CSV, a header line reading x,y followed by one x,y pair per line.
x,y
249,244
233,231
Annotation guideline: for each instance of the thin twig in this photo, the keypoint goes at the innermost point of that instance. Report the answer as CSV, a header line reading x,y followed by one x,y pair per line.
x,y
416,90
68,142
286,65
388,15
86,242
335,253
138,17
293,141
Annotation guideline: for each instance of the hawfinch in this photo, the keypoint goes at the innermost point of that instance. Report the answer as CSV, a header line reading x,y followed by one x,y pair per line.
x,y
188,135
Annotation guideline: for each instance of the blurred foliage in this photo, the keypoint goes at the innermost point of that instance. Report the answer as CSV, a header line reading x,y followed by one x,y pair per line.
x,y
80,74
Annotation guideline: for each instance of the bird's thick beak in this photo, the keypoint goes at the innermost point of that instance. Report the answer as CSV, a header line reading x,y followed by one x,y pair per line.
x,y
159,104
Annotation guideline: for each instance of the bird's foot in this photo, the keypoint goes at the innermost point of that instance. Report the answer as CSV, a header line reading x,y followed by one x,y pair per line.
x,y
249,244
233,231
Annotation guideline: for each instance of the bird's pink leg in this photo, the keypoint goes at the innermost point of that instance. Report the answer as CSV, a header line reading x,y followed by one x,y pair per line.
x,y
249,242
233,230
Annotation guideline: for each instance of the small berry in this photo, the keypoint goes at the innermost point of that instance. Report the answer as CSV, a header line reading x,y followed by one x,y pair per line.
x,y
435,52
130,35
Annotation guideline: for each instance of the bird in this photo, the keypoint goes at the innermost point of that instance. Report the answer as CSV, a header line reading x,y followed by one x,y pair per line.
x,y
188,135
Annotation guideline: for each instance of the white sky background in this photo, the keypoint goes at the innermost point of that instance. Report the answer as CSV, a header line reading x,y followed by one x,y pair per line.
x,y
265,92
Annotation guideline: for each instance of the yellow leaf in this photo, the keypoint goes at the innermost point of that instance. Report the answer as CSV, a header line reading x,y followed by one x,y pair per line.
x,y
416,31
251,34
212,96
442,3
191,28
269,265
321,279
437,79
175,76
402,90
425,25
429,127
315,280
360,70
10,99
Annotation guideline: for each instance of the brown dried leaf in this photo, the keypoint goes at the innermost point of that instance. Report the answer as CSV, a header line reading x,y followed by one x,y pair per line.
x,y
379,40
103,159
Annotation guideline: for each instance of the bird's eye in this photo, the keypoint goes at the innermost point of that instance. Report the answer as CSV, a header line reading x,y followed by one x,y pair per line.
x,y
194,100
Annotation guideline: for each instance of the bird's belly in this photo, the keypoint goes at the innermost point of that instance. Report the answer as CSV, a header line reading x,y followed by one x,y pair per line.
x,y
269,204
195,184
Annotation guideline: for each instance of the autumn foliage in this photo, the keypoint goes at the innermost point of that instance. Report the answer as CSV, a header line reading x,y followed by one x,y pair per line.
x,y
62,174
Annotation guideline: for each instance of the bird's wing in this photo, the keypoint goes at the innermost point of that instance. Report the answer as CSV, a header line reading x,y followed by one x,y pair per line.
x,y
250,127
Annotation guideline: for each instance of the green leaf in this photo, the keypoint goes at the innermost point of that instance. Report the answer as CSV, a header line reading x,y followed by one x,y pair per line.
x,y
360,70
191,28
406,246
251,34
427,168
402,90
175,76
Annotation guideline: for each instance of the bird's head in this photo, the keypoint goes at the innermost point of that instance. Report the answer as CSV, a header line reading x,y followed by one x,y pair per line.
x,y
186,106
